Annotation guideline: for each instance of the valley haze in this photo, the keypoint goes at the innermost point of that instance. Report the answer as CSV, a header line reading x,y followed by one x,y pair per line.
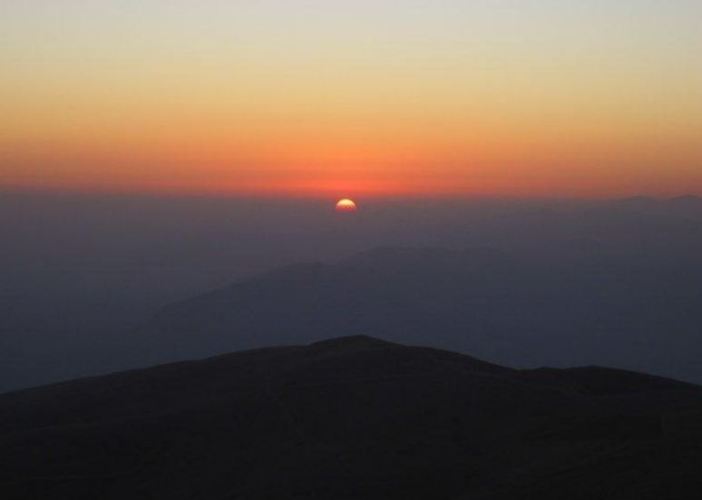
x,y
89,281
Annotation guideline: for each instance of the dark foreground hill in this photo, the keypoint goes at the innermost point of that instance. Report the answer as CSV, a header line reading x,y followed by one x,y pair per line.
x,y
352,418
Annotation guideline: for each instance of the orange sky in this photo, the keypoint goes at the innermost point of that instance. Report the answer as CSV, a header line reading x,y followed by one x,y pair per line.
x,y
375,98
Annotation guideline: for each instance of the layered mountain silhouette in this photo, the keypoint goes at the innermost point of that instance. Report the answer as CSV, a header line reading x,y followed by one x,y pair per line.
x,y
583,307
352,418
560,282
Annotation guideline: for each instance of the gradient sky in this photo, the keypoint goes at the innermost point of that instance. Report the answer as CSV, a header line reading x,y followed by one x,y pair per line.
x,y
323,97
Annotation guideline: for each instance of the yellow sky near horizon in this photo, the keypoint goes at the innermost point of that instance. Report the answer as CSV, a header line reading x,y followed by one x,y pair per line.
x,y
497,97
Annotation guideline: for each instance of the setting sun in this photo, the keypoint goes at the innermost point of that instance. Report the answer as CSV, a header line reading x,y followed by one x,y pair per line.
x,y
346,205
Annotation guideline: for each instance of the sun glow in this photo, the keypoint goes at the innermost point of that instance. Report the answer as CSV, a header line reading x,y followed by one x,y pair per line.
x,y
310,99
346,205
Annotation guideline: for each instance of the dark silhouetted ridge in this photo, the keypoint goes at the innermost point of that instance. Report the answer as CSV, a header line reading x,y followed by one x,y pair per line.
x,y
601,381
497,306
352,418
353,342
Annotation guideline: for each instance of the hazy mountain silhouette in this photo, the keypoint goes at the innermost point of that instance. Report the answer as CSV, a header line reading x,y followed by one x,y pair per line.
x,y
352,418
544,282
592,307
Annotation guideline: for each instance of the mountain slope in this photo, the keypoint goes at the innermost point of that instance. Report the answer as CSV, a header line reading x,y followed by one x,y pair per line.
x,y
350,418
520,311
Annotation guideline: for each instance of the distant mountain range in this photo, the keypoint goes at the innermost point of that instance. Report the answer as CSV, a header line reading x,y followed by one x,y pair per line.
x,y
586,307
352,418
521,283
690,202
